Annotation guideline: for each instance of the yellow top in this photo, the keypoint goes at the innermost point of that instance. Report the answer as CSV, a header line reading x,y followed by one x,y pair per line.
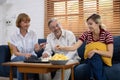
x,y
98,46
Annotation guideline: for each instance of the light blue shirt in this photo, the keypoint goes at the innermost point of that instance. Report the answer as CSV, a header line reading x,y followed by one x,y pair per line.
x,y
24,44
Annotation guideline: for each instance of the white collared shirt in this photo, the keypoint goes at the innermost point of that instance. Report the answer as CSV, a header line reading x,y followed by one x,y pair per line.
x,y
67,39
24,44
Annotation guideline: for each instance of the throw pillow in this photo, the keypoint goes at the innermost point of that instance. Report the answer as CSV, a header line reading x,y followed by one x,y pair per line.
x,y
98,46
10,47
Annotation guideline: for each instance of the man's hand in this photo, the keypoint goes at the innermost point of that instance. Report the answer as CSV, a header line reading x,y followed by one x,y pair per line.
x,y
58,47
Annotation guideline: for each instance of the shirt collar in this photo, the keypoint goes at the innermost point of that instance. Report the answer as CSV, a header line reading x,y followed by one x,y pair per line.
x,y
18,31
63,34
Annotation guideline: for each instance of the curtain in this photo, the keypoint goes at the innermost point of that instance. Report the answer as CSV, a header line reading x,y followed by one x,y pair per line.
x,y
72,14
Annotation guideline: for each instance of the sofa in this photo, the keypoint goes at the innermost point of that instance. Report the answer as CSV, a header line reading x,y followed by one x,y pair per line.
x,y
5,57
112,73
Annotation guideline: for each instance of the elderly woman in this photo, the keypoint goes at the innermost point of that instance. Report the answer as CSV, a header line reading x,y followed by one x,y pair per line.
x,y
23,41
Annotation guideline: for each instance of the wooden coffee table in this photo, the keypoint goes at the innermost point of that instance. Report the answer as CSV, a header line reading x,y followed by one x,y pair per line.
x,y
40,68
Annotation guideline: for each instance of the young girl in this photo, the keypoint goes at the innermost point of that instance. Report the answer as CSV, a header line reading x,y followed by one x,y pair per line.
x,y
96,33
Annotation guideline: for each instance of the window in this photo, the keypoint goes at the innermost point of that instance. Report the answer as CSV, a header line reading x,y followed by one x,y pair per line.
x,y
72,14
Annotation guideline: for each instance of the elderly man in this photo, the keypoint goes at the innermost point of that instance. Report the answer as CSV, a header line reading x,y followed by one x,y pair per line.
x,y
59,36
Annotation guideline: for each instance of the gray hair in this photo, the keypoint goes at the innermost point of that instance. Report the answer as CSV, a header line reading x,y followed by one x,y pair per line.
x,y
52,20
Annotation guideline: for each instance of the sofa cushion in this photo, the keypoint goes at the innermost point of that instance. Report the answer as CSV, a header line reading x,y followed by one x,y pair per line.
x,y
41,40
116,54
39,53
4,53
10,47
4,57
113,73
81,51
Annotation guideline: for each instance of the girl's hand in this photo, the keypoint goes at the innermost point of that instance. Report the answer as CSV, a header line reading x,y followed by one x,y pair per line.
x,y
91,53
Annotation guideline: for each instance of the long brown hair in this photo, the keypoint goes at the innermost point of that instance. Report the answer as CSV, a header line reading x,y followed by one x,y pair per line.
x,y
97,19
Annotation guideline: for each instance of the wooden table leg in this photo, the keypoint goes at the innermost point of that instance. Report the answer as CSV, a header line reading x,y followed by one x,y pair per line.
x,y
11,73
25,76
62,74
72,73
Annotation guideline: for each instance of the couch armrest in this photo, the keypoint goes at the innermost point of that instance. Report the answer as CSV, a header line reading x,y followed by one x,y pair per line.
x,y
4,53
116,54
39,53
4,57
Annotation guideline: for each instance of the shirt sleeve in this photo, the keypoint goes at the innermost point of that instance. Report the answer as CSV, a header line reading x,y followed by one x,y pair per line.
x,y
71,41
83,36
13,40
109,38
48,48
35,41
35,38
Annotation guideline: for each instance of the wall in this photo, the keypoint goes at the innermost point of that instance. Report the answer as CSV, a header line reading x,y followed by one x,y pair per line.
x,y
10,10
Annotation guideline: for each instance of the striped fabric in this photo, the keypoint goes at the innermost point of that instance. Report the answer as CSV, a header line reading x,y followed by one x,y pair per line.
x,y
105,37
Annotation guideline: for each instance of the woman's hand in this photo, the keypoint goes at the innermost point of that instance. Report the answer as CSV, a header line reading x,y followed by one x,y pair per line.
x,y
42,45
45,55
39,46
27,55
